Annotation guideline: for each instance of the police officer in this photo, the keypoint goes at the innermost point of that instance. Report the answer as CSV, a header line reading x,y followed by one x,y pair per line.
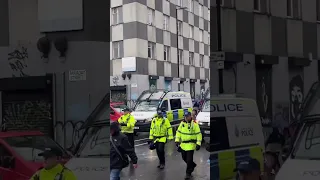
x,y
188,139
127,123
160,131
248,170
53,170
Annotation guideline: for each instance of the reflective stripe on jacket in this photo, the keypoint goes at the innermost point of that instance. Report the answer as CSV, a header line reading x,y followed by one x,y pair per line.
x,y
189,135
129,122
160,130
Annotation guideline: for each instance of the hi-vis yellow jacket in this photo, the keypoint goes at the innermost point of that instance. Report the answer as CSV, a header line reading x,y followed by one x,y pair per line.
x,y
189,135
160,130
129,122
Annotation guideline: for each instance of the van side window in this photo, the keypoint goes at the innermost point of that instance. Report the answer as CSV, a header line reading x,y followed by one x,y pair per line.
x,y
218,134
164,105
175,104
5,156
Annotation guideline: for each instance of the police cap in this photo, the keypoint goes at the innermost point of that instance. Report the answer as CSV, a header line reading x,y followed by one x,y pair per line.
x,y
186,114
50,152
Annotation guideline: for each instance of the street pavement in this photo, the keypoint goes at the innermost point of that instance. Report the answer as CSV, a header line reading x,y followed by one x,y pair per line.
x,y
175,166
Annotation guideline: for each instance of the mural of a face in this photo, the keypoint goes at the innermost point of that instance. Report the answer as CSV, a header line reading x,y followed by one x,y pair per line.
x,y
296,96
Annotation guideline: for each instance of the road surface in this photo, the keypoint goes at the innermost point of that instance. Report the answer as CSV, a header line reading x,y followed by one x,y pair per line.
x,y
175,167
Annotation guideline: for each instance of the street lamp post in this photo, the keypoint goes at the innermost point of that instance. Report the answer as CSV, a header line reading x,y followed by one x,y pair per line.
x,y
177,31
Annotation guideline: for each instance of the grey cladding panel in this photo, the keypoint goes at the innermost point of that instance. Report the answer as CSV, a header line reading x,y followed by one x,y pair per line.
x,y
173,39
185,43
206,49
206,73
4,21
196,46
197,73
245,32
185,16
206,25
159,36
174,70
160,68
135,30
159,4
173,10
213,30
186,71
196,21
309,39
95,24
279,36
142,65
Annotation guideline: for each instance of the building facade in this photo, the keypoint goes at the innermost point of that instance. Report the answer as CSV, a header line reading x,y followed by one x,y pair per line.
x,y
271,50
43,91
160,44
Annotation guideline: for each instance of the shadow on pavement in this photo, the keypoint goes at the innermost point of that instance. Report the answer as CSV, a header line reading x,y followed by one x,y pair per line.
x,y
175,167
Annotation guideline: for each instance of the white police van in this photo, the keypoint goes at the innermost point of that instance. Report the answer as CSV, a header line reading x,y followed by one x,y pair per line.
x,y
236,134
303,162
175,104
203,117
91,160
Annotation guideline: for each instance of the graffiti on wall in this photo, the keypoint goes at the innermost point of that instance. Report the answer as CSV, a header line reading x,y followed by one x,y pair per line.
x,y
115,80
296,96
18,61
71,133
27,115
264,94
202,91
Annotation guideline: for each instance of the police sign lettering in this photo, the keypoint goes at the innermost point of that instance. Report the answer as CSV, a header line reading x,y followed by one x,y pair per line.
x,y
226,107
179,95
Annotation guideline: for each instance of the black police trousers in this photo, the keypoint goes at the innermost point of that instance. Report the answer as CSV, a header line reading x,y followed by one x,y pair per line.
x,y
130,138
187,157
160,152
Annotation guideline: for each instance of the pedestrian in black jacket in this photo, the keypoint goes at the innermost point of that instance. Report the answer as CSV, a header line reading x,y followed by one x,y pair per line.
x,y
120,149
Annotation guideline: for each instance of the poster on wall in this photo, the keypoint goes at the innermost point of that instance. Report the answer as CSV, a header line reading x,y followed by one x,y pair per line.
x,y
152,84
167,85
264,94
193,90
296,93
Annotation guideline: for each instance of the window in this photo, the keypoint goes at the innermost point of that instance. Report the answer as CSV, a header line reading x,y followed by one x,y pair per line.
x,y
190,5
209,39
180,3
180,56
191,59
256,5
180,28
164,105
201,61
28,147
116,15
201,36
150,16
175,104
151,50
219,134
96,142
166,23
116,49
289,8
166,53
190,31
200,10
209,14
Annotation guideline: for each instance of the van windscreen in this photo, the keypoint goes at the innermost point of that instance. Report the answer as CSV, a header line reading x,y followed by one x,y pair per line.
x,y
218,134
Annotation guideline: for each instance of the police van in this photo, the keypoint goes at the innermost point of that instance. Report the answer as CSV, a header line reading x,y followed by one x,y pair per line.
x,y
175,104
92,153
304,159
236,134
203,117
